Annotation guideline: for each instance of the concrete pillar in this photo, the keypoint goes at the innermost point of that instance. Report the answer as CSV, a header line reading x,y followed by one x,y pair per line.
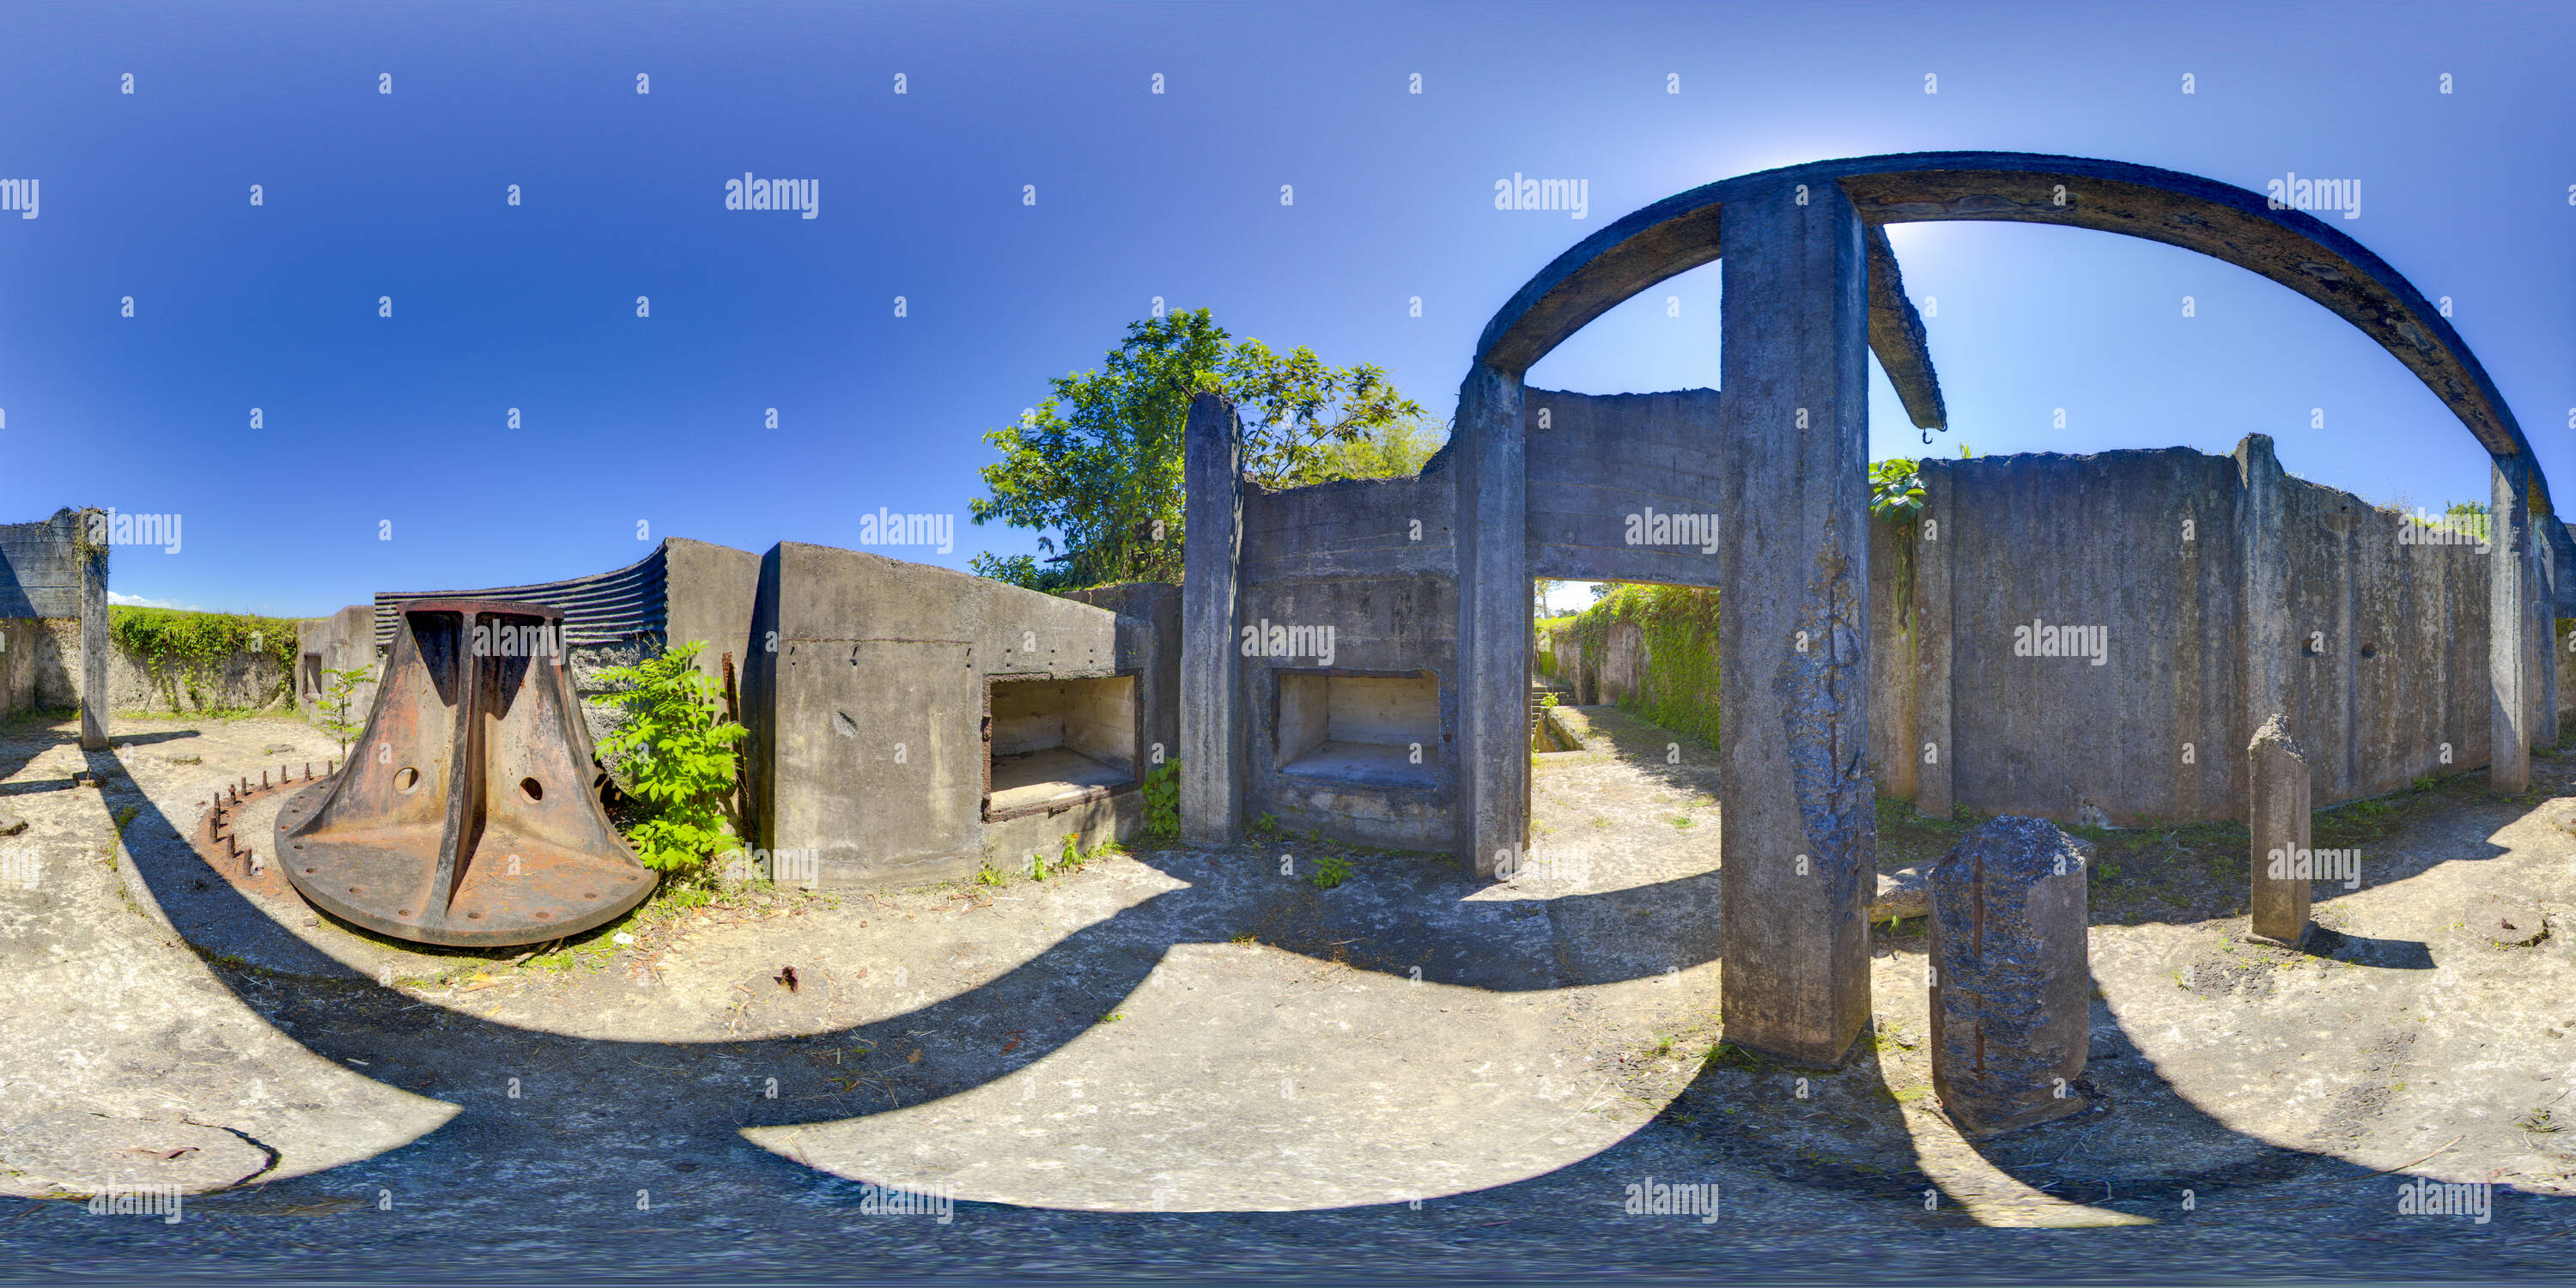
x,y
1493,621
2508,618
91,554
2012,978
2268,631
2544,620
1211,557
2276,784
1934,538
1800,842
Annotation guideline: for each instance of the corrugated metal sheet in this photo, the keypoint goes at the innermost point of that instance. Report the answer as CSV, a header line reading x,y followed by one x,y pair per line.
x,y
605,608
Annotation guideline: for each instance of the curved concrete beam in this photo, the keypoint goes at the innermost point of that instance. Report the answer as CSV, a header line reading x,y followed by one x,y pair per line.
x,y
2291,247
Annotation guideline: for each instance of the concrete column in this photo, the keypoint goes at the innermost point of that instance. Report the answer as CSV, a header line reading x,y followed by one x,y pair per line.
x,y
2276,784
2508,618
1793,627
2012,976
1493,621
91,554
2267,583
1211,557
2544,620
1934,538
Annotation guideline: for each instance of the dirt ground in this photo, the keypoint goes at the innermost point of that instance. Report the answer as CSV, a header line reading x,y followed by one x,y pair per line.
x,y
1401,1068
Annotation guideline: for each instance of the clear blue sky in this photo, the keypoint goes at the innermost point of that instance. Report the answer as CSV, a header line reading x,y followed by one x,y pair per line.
x,y
1139,195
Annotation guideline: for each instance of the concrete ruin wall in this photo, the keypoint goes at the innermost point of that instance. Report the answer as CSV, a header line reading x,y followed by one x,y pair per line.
x,y
343,641
239,679
1374,561
2399,666
876,720
39,614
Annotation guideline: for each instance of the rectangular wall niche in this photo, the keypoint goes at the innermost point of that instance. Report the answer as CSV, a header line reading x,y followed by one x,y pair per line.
x,y
1054,743
1359,730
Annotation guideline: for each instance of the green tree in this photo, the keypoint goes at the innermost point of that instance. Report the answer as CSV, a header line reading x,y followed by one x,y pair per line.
x,y
1396,449
1096,468
334,704
676,752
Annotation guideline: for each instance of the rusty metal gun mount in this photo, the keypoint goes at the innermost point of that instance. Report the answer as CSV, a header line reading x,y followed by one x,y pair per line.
x,y
465,816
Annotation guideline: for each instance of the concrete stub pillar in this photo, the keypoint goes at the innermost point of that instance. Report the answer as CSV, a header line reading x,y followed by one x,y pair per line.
x,y
1493,621
2276,783
2267,581
1211,556
1933,540
91,554
2508,618
2544,621
2012,980
1800,843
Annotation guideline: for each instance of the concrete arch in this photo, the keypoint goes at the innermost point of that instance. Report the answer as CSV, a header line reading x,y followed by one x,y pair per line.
x,y
1811,288
2291,247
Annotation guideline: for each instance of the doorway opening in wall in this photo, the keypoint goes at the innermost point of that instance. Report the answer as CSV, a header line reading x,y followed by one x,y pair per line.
x,y
310,675
1050,743
1358,728
1648,649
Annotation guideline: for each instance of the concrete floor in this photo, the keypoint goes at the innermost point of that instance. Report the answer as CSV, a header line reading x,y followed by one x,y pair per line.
x,y
1130,1065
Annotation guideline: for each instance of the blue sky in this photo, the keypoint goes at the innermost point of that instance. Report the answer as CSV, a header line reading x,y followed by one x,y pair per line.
x,y
369,420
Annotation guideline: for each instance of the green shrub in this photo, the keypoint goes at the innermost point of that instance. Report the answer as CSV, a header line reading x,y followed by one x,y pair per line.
x,y
1163,802
334,704
675,755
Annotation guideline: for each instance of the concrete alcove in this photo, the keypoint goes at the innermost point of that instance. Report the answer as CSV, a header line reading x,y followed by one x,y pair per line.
x,y
1050,744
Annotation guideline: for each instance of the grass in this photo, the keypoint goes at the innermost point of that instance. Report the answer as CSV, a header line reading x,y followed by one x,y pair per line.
x,y
2197,871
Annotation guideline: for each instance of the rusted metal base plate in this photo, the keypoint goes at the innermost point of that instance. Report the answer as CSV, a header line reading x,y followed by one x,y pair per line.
x,y
519,890
465,815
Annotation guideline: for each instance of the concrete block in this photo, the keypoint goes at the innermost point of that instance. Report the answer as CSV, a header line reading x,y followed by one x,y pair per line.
x,y
915,722
2276,776
94,687
1493,620
2508,620
2012,984
1211,720
1800,842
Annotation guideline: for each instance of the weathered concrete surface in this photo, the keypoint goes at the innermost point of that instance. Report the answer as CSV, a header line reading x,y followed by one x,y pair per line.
x,y
709,595
2009,1017
1491,469
1904,893
2508,618
93,647
344,641
1896,336
40,572
870,740
2278,820
1212,734
2291,247
1602,467
1794,743
2378,638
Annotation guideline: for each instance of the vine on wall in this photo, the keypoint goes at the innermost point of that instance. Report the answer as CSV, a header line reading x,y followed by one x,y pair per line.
x,y
1679,688
178,648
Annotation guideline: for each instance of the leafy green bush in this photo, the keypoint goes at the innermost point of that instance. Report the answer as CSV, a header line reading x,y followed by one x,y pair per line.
x,y
675,754
176,646
1331,870
1163,802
